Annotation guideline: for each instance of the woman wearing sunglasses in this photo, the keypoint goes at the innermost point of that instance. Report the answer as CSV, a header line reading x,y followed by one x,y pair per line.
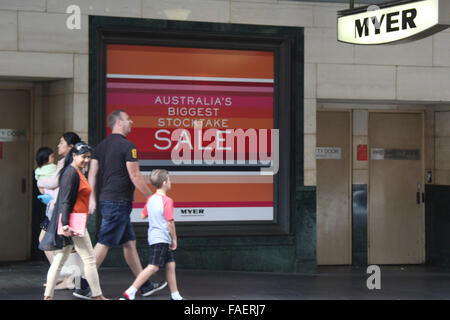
x,y
73,196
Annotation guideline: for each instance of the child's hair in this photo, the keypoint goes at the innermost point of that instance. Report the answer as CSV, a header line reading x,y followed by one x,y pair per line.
x,y
158,176
43,155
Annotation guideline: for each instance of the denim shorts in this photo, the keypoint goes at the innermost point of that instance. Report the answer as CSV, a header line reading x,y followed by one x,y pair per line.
x,y
160,254
116,228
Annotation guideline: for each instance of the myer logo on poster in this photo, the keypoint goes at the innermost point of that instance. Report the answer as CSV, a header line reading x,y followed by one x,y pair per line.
x,y
394,21
192,212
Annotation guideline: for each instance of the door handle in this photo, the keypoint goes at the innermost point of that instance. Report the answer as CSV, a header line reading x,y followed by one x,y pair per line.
x,y
418,193
24,186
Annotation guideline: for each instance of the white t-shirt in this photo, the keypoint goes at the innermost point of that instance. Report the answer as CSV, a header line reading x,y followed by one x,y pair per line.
x,y
159,209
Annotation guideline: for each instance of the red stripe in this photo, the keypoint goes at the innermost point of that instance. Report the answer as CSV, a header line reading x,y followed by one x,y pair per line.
x,y
228,204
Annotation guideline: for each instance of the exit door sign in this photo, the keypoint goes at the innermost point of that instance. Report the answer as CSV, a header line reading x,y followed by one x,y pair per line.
x,y
394,21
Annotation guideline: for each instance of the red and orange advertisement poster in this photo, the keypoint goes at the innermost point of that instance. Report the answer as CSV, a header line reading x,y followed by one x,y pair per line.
x,y
168,92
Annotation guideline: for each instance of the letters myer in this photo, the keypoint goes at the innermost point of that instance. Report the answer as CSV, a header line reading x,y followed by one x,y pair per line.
x,y
390,21
192,211
393,21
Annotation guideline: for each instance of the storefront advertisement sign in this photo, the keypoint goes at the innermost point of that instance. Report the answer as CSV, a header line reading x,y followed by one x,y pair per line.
x,y
201,113
398,21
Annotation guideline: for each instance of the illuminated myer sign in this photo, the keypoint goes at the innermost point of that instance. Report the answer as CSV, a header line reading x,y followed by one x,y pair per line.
x,y
393,21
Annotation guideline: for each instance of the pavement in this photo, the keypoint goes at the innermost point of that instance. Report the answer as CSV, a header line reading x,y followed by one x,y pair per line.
x,y
24,280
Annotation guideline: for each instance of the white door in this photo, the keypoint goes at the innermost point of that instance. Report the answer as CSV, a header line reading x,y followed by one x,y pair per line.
x,y
396,209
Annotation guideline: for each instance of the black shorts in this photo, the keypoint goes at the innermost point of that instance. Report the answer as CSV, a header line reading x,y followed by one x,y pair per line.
x,y
160,254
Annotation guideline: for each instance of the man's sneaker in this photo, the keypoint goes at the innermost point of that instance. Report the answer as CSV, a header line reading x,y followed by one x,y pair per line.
x,y
83,294
152,287
125,297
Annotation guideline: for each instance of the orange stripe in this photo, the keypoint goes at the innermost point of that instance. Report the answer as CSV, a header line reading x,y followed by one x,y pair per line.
x,y
216,192
168,61
152,122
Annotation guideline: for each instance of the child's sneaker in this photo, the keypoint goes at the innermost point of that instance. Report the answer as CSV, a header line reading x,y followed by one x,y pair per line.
x,y
124,296
176,296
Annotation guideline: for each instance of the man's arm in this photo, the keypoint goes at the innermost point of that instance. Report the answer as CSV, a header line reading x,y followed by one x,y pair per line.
x,y
138,180
92,178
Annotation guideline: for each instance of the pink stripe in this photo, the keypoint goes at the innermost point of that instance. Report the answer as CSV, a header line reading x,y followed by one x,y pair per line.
x,y
136,99
180,87
228,204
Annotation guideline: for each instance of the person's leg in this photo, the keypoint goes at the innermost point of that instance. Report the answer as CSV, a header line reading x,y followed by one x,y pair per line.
x,y
110,233
128,240
111,230
84,248
171,276
132,257
48,254
141,279
145,275
53,272
100,251
156,259
64,282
